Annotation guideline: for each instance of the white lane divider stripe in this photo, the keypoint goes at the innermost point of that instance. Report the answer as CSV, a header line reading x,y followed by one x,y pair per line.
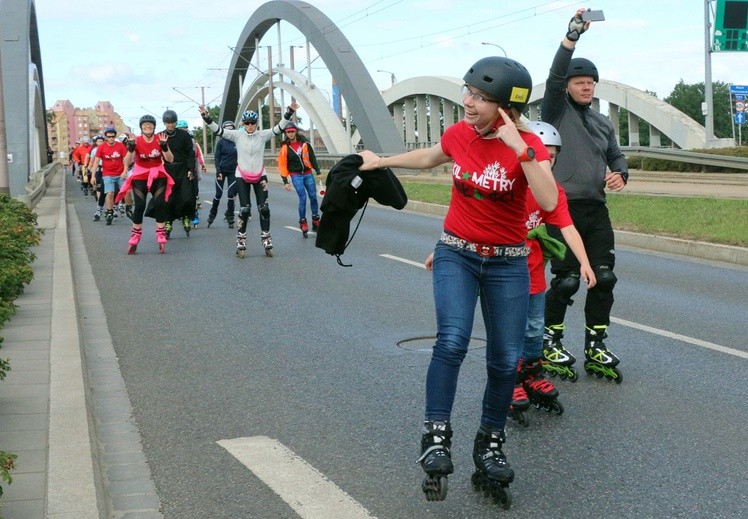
x,y
403,260
631,324
679,337
307,491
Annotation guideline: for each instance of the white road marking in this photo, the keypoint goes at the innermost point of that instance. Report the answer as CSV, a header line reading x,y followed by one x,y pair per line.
x,y
403,260
298,229
679,337
631,324
308,492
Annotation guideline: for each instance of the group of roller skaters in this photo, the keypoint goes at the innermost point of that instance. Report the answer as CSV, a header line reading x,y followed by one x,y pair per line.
x,y
517,202
507,216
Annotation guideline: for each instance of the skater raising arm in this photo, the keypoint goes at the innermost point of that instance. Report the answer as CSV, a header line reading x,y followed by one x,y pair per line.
x,y
592,161
250,170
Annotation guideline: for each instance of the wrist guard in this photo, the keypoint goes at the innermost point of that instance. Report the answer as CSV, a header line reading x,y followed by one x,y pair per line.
x,y
576,29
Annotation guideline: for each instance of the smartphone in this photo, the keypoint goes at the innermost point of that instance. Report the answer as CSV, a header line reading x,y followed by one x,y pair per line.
x,y
593,16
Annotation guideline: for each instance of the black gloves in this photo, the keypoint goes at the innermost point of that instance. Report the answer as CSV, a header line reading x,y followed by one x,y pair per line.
x,y
289,113
164,145
130,145
576,28
206,117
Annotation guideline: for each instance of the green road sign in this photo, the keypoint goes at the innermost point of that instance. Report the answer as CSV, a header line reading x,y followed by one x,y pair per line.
x,y
731,26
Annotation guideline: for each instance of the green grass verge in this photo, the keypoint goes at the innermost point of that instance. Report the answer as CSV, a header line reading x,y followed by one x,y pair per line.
x,y
714,220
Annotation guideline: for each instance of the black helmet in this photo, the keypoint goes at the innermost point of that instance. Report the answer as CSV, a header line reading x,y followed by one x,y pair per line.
x,y
505,80
147,118
170,116
227,124
582,67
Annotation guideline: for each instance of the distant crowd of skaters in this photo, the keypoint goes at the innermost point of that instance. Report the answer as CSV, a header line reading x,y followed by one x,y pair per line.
x,y
104,166
121,171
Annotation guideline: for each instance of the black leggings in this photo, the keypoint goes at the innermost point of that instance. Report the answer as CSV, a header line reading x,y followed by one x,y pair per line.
x,y
156,207
246,204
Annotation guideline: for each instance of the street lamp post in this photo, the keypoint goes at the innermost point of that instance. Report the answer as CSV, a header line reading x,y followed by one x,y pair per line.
x,y
392,76
495,45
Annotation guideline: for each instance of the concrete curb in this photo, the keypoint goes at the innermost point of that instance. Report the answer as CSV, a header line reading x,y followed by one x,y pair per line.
x,y
694,249
124,477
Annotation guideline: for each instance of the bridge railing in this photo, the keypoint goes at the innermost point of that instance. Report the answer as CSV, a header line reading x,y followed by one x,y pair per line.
x,y
690,157
326,160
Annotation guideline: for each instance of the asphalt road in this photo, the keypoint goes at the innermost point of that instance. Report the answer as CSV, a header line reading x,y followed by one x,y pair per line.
x,y
299,350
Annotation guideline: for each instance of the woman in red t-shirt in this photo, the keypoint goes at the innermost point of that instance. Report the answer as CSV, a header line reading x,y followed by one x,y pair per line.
x,y
149,151
481,251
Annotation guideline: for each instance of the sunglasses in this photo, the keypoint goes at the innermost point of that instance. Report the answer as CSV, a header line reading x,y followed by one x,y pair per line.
x,y
249,122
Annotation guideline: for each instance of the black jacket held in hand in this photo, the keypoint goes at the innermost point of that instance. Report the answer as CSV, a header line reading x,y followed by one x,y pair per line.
x,y
343,199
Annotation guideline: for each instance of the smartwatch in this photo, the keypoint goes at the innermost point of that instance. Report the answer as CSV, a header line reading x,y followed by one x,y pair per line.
x,y
527,155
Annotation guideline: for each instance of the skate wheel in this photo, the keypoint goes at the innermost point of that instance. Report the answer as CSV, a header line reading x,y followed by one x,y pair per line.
x,y
132,249
619,376
503,496
435,487
557,407
161,248
574,376
519,417
269,253
304,234
240,253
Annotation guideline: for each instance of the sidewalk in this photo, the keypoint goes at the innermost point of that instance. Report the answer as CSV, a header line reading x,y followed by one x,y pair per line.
x,y
64,409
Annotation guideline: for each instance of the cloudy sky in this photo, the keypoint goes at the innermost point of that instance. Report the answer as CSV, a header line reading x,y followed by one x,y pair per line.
x,y
147,56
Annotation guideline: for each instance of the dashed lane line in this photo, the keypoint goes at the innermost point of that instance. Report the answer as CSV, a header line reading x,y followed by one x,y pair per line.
x,y
679,337
307,491
630,324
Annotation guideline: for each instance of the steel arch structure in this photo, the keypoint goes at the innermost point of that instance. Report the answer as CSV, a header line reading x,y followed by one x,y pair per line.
x,y
362,97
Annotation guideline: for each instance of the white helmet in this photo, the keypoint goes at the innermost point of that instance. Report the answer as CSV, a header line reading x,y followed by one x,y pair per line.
x,y
547,133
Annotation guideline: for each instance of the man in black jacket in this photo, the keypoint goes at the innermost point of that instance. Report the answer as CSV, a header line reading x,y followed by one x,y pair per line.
x,y
181,203
591,162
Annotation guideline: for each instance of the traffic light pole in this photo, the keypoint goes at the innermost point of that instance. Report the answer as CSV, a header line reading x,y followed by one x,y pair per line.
x,y
708,105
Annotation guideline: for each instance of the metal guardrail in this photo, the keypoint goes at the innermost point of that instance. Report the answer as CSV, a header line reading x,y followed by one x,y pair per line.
x,y
327,160
691,157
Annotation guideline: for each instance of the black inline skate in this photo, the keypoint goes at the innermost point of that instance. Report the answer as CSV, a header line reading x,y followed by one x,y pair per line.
x,y
492,471
229,217
559,360
211,218
520,404
599,359
541,393
436,460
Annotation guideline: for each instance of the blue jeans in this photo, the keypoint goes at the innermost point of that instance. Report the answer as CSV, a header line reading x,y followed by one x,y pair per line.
x,y
459,277
306,184
533,348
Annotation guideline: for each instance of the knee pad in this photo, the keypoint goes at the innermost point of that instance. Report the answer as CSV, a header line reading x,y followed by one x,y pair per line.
x,y
565,285
265,211
605,277
245,213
